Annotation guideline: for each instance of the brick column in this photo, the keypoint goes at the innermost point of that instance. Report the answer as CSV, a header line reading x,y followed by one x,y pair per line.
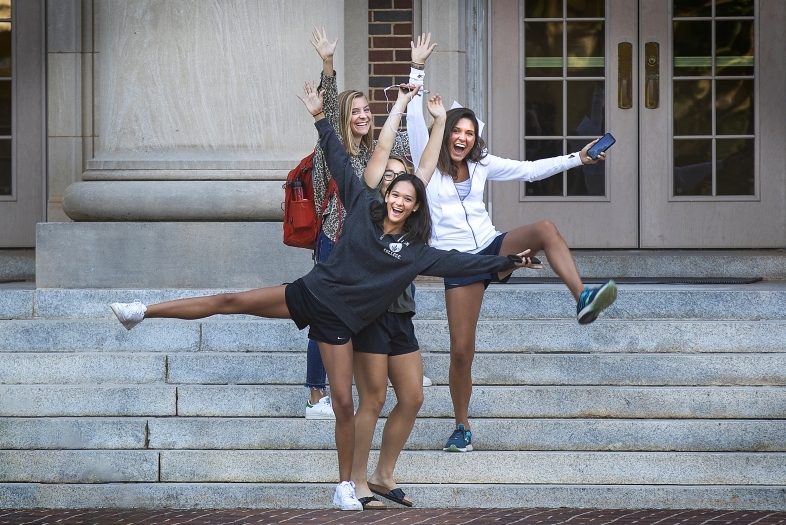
x,y
389,35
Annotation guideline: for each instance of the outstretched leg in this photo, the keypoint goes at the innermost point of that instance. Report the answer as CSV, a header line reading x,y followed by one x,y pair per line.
x,y
264,302
544,236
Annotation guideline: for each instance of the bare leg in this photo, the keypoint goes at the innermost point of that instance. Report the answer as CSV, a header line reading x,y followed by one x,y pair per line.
x,y
463,308
264,302
544,236
371,380
406,375
338,365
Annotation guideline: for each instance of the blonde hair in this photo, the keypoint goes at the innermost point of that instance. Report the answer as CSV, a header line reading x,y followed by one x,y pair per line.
x,y
345,100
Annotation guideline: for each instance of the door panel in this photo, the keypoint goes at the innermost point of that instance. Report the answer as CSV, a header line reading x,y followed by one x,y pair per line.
x,y
712,153
554,88
699,159
22,140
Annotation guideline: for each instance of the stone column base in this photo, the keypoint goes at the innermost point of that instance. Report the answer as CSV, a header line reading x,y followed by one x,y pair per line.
x,y
154,255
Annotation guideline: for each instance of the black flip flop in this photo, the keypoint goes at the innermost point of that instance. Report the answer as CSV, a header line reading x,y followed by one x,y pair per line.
x,y
368,499
396,495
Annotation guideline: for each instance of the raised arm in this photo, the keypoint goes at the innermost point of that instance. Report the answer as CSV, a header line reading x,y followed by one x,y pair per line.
x,y
428,162
379,159
416,124
325,48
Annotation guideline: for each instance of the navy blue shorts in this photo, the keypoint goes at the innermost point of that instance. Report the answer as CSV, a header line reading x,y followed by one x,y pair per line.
x,y
487,278
306,310
391,334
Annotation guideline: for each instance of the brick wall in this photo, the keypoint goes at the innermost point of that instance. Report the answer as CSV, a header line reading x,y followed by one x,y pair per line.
x,y
389,35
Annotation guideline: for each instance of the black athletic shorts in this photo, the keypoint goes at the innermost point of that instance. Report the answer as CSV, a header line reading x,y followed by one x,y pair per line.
x,y
390,333
306,310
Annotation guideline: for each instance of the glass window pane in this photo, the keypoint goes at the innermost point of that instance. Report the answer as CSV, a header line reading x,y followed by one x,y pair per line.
x,y
543,149
734,171
5,107
692,167
5,167
585,9
588,180
734,48
585,52
543,106
692,48
5,8
692,7
5,49
543,8
585,108
692,107
734,107
543,49
733,7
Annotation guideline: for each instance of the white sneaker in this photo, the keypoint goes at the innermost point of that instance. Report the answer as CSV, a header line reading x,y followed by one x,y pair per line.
x,y
322,409
129,314
344,498
426,381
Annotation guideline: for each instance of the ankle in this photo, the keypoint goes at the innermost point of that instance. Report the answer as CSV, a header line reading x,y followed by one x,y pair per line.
x,y
315,394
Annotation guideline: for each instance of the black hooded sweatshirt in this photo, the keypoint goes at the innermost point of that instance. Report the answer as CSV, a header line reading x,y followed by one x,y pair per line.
x,y
368,270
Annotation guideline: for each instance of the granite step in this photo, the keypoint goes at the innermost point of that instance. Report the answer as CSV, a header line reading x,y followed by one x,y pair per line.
x,y
512,336
287,368
747,402
319,466
548,434
763,300
318,495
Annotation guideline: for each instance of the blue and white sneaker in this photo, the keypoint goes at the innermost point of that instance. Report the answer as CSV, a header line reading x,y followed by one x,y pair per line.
x,y
460,440
593,301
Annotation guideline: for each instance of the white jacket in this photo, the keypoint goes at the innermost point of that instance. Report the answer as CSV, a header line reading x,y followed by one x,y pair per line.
x,y
465,225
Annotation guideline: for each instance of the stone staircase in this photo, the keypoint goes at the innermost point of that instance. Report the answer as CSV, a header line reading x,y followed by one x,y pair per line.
x,y
675,398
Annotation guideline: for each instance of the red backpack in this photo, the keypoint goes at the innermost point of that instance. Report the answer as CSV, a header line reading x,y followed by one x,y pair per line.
x,y
301,221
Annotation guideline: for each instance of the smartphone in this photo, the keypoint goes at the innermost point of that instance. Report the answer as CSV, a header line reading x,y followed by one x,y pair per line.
x,y
518,259
605,142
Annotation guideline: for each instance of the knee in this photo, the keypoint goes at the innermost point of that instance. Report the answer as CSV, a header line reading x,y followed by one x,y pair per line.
x,y
224,301
412,402
462,357
373,401
343,406
547,230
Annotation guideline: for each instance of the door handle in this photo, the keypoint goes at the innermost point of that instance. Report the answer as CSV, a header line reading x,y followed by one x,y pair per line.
x,y
651,75
625,75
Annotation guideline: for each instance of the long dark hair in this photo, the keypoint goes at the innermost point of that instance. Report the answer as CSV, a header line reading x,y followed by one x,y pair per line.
x,y
418,224
476,154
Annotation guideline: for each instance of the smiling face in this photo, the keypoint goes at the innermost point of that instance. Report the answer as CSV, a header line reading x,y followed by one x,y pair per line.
x,y
400,203
359,118
461,140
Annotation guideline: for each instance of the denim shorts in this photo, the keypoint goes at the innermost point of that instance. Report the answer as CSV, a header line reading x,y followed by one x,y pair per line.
x,y
487,278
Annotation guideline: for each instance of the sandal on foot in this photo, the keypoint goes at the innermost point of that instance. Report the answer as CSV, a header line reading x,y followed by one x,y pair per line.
x,y
396,495
366,502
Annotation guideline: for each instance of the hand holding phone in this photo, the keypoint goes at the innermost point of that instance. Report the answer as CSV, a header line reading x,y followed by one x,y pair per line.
x,y
605,142
518,259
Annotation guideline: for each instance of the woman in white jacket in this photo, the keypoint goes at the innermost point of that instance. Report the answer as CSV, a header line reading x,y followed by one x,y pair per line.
x,y
460,222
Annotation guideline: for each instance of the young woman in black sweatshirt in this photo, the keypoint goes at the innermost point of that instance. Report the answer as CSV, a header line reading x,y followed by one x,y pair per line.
x,y
383,247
